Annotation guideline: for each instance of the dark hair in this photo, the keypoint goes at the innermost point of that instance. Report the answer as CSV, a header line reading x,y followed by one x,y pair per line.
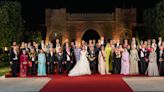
x,y
23,50
109,40
101,47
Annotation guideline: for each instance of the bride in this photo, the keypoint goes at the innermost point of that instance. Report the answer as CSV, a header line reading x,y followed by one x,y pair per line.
x,y
82,67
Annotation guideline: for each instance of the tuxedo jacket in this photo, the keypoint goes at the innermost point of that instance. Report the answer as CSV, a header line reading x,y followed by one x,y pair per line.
x,y
146,54
71,54
51,58
13,55
60,58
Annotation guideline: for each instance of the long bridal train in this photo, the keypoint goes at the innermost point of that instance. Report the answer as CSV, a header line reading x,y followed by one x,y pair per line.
x,y
82,67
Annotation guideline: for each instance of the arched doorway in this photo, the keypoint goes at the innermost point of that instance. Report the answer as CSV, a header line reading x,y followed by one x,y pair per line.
x,y
90,35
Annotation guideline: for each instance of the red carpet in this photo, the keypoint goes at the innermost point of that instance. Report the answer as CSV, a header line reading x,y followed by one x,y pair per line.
x,y
93,83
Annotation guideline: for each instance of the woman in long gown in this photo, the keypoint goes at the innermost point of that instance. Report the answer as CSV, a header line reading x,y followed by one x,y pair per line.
x,y
134,60
41,63
152,66
102,68
23,63
82,67
108,52
125,62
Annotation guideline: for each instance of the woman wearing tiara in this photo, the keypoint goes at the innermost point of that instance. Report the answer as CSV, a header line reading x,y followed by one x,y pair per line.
x,y
82,67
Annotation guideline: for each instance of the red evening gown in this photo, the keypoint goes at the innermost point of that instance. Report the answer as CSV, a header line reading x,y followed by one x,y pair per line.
x,y
23,65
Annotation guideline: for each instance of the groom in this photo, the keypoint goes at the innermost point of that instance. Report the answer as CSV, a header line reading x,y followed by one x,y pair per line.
x,y
92,59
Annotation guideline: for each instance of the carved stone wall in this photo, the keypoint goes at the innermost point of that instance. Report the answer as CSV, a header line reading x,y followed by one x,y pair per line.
x,y
73,26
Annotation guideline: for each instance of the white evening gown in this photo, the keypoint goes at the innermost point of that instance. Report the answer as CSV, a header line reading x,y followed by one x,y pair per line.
x,y
82,67
152,66
102,64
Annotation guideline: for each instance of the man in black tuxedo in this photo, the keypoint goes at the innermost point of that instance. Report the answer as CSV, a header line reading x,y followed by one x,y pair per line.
x,y
68,56
51,61
14,61
143,55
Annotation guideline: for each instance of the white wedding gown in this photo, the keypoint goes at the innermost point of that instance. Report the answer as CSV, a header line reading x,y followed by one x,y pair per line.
x,y
82,67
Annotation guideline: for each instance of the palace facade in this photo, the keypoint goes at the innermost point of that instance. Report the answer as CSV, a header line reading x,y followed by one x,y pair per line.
x,y
117,25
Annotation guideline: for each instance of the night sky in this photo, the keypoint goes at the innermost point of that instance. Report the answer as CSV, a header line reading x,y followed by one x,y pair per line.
x,y
33,11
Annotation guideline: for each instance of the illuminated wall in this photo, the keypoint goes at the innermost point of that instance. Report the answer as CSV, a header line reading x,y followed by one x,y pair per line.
x,y
73,26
